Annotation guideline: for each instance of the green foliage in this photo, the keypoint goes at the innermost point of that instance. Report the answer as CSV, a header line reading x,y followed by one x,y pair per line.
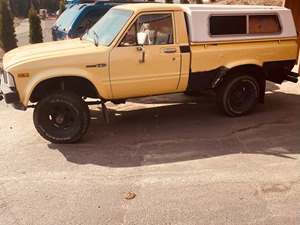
x,y
35,5
35,29
50,5
20,7
8,39
169,1
62,6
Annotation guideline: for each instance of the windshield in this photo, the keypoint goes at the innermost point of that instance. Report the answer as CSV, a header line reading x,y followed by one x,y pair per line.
x,y
108,27
67,18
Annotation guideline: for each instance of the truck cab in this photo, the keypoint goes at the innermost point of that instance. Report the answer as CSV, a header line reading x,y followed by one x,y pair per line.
x,y
138,50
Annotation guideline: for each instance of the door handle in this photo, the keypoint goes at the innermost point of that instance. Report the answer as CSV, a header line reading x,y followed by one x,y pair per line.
x,y
169,50
142,51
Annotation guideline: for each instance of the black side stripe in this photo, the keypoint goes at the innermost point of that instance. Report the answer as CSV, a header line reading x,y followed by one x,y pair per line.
x,y
96,65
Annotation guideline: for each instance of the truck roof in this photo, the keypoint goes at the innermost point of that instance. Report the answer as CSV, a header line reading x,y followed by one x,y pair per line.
x,y
150,6
197,7
228,7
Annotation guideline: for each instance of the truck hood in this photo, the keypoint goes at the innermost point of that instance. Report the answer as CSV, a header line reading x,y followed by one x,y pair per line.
x,y
36,52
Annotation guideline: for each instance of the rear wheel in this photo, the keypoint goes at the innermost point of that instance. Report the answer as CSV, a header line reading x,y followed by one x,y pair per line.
x,y
238,95
61,118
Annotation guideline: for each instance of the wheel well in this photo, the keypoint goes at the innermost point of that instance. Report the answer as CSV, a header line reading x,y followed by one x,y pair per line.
x,y
252,70
78,85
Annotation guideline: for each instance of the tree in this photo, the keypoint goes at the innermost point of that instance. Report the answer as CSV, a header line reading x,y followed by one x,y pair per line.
x,y
169,1
20,8
50,5
35,29
62,6
8,39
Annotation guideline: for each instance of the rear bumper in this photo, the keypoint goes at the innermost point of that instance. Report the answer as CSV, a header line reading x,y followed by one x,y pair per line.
x,y
292,77
8,91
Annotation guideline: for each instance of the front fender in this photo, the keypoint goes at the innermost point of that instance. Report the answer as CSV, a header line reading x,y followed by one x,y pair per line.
x,y
101,85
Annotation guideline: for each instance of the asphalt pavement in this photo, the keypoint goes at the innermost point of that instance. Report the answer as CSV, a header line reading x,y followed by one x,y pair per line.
x,y
166,160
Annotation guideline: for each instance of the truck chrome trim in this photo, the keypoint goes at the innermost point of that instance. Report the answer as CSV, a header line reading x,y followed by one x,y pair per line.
x,y
100,65
8,91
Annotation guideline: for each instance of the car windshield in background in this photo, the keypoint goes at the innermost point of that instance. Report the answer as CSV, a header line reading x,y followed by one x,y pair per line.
x,y
108,27
66,19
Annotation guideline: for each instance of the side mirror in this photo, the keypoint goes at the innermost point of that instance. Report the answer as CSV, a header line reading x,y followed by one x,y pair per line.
x,y
141,38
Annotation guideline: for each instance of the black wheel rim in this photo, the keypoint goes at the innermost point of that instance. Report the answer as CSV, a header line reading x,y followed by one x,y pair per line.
x,y
61,116
242,96
59,120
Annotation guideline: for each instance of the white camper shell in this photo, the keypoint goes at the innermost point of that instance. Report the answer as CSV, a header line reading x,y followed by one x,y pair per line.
x,y
214,23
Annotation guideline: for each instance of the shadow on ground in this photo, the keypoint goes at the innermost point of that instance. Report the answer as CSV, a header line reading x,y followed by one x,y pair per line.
x,y
187,128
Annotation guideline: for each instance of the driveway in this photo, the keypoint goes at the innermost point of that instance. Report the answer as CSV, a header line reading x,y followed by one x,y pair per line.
x,y
162,160
166,160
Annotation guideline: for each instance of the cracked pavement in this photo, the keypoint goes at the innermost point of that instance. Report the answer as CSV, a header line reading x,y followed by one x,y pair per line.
x,y
187,164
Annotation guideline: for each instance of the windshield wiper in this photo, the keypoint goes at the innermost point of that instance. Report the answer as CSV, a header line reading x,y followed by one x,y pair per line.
x,y
84,33
96,38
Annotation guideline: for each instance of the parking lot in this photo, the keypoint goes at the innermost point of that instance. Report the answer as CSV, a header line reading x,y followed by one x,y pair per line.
x,y
184,163
166,160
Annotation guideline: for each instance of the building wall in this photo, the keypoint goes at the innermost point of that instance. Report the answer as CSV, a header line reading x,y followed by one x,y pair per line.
x,y
294,5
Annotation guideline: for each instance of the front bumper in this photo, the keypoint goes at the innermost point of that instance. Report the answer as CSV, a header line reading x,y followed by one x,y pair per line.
x,y
8,91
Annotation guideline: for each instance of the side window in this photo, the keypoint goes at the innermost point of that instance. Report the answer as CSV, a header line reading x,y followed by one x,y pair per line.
x,y
226,25
130,38
264,24
157,27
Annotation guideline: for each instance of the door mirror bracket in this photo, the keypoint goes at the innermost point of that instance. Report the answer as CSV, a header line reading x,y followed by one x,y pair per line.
x,y
141,38
142,52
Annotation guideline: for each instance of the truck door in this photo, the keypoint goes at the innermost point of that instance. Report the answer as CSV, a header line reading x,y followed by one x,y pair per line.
x,y
149,69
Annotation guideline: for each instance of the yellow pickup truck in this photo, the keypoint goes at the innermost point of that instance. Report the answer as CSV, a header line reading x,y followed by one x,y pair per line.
x,y
138,50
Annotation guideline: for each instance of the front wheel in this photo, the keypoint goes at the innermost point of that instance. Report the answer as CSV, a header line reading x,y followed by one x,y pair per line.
x,y
238,96
61,118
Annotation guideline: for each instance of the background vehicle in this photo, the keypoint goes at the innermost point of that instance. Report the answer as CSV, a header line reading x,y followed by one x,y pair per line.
x,y
77,18
138,50
70,2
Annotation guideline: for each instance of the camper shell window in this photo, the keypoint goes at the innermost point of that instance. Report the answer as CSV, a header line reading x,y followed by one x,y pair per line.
x,y
225,25
264,24
244,25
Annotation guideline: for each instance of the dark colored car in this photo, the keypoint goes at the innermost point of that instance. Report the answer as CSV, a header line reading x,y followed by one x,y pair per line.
x,y
78,18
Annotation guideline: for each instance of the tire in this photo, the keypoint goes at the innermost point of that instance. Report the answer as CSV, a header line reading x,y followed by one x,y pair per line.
x,y
238,95
62,118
